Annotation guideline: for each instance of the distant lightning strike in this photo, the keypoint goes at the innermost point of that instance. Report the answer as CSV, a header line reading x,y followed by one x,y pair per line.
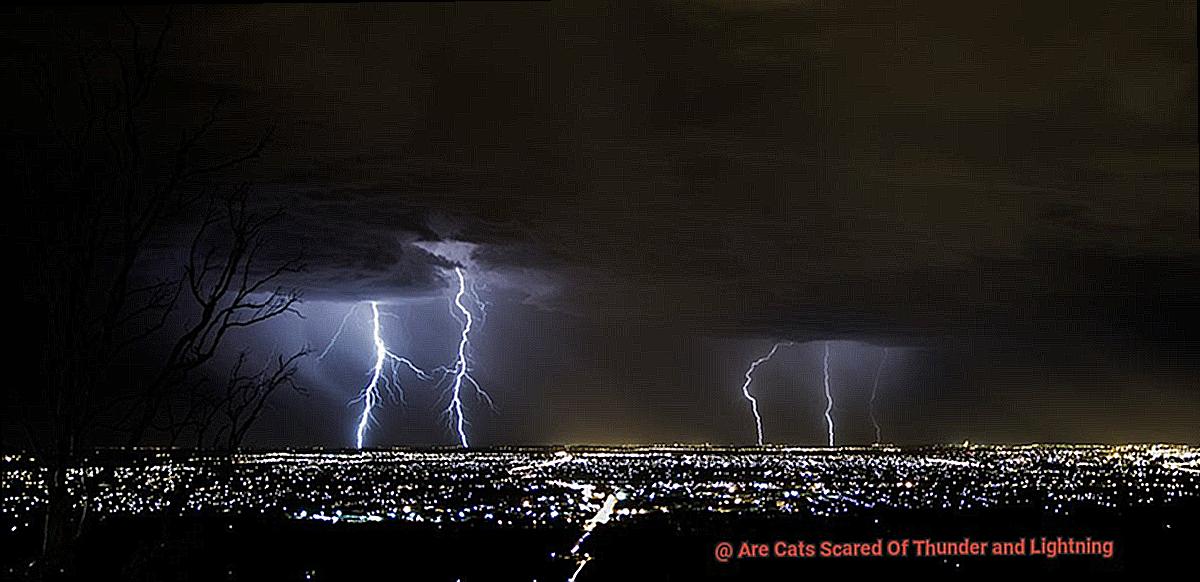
x,y
874,390
337,334
370,393
828,395
746,388
461,368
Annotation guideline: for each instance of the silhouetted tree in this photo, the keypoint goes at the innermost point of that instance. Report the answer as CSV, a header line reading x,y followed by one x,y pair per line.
x,y
102,193
226,417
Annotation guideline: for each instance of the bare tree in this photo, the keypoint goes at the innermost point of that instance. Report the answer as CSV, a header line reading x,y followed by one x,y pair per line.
x,y
101,192
229,291
231,415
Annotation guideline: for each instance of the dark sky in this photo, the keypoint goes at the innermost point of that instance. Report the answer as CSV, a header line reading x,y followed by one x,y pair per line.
x,y
650,195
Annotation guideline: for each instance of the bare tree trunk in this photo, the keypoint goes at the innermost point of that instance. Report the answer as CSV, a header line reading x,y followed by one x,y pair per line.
x,y
60,524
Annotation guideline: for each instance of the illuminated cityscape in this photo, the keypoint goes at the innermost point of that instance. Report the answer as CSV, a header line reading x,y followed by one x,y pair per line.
x,y
540,487
586,490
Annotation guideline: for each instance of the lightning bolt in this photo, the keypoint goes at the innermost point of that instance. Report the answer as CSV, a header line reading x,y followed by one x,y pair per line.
x,y
828,395
874,390
337,334
379,378
481,306
462,367
746,388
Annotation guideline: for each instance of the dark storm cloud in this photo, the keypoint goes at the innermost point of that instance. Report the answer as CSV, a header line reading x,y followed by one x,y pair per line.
x,y
773,158
786,169
872,165
390,128
355,251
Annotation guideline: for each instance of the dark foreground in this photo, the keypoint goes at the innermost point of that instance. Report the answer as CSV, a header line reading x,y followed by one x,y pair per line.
x,y
660,548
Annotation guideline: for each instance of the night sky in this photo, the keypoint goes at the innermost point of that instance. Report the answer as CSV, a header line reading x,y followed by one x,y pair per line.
x,y
648,197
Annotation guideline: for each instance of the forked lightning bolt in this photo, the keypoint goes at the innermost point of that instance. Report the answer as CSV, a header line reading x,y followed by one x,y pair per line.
x,y
462,366
828,395
746,388
383,373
